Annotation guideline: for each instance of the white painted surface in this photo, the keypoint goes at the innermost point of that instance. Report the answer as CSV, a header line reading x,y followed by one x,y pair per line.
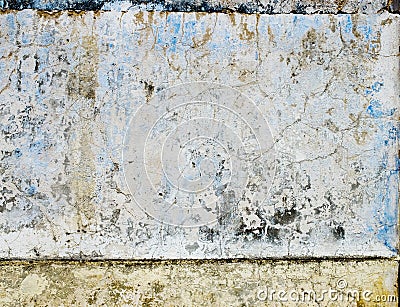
x,y
326,85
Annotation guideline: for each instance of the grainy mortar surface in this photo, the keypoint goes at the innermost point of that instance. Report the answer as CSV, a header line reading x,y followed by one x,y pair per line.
x,y
268,129
205,283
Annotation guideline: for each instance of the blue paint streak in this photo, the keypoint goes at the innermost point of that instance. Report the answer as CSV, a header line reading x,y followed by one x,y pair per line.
x,y
18,152
394,133
168,33
388,217
175,22
25,39
11,25
42,55
349,24
376,87
300,26
366,30
374,109
189,32
32,190
317,21
386,209
368,91
46,38
37,147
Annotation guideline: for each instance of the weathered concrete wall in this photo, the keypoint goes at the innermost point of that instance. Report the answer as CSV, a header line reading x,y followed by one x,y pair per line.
x,y
324,184
199,130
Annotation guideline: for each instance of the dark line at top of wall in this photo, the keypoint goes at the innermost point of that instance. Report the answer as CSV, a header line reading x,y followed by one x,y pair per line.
x,y
239,6
88,259
73,261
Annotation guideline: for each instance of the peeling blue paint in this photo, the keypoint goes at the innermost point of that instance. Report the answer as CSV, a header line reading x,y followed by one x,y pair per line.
x,y
32,190
394,133
349,24
386,212
11,25
18,152
167,40
376,87
375,109
385,205
301,26
366,30
37,147
46,38
189,31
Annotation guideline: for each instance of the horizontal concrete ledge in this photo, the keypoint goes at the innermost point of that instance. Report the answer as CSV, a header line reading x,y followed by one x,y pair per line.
x,y
270,283
239,6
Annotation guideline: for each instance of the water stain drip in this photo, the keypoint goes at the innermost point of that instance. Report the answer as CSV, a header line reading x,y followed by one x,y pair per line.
x,y
81,89
82,82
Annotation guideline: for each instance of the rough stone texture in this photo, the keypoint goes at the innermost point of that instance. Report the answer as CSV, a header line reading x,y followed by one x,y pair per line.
x,y
326,283
240,6
108,143
326,85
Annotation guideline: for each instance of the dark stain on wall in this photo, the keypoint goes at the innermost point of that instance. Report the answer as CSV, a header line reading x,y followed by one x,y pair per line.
x,y
394,6
338,232
81,5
